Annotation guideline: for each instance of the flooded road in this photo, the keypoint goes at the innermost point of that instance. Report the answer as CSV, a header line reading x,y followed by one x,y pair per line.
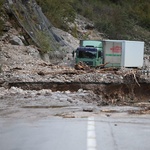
x,y
117,132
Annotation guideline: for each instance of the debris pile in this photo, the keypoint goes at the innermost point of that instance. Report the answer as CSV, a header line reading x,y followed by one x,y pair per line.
x,y
82,66
24,64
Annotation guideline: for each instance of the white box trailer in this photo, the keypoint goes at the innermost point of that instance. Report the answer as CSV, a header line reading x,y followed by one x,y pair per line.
x,y
122,53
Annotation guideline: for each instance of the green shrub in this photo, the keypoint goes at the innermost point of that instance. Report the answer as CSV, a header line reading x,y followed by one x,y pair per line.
x,y
74,31
114,22
116,18
47,44
44,42
142,14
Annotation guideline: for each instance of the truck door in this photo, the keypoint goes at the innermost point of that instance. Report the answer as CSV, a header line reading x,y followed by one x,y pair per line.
x,y
99,58
113,51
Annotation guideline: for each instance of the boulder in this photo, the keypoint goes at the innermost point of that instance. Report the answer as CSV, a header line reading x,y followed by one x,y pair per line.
x,y
15,40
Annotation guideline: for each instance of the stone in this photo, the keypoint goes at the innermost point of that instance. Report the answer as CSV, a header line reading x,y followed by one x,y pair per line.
x,y
69,100
89,26
88,109
33,52
15,40
80,90
67,92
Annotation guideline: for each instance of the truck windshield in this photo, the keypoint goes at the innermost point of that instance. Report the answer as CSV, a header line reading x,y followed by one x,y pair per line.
x,y
86,53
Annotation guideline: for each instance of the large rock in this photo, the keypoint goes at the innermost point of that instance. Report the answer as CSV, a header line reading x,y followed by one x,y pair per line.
x,y
15,40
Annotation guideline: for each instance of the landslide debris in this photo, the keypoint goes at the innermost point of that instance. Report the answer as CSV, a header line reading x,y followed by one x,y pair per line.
x,y
24,64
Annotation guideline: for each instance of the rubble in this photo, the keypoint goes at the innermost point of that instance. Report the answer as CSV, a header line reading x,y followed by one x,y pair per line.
x,y
24,64
78,88
88,109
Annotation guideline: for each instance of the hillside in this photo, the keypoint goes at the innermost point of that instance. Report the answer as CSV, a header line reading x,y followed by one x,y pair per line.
x,y
111,19
115,19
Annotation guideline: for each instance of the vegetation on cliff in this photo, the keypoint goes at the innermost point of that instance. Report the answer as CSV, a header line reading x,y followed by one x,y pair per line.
x,y
117,19
59,13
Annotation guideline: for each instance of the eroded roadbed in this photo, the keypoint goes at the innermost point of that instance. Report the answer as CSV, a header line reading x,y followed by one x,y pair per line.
x,y
108,91
71,100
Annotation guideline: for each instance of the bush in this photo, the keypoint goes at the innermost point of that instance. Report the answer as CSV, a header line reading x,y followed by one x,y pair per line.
x,y
114,22
47,44
44,42
142,14
116,18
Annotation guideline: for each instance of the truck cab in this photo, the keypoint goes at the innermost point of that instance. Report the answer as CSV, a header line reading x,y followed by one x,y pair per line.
x,y
90,52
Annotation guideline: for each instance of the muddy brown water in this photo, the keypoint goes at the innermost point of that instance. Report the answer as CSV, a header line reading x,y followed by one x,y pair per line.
x,y
108,91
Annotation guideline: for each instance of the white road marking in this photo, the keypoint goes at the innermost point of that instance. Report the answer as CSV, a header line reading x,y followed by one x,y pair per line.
x,y
91,135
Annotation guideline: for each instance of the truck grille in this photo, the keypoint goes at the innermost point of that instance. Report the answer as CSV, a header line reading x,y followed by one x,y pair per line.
x,y
89,63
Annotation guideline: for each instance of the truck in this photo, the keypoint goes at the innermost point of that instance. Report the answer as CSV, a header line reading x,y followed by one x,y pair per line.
x,y
113,53
90,52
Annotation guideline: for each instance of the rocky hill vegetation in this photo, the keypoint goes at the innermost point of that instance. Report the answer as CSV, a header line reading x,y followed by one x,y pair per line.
x,y
56,27
115,19
110,19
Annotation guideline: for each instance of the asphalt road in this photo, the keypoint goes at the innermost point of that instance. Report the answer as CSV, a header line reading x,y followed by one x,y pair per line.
x,y
93,133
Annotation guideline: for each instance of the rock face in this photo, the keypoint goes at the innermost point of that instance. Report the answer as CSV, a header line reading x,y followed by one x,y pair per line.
x,y
85,29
